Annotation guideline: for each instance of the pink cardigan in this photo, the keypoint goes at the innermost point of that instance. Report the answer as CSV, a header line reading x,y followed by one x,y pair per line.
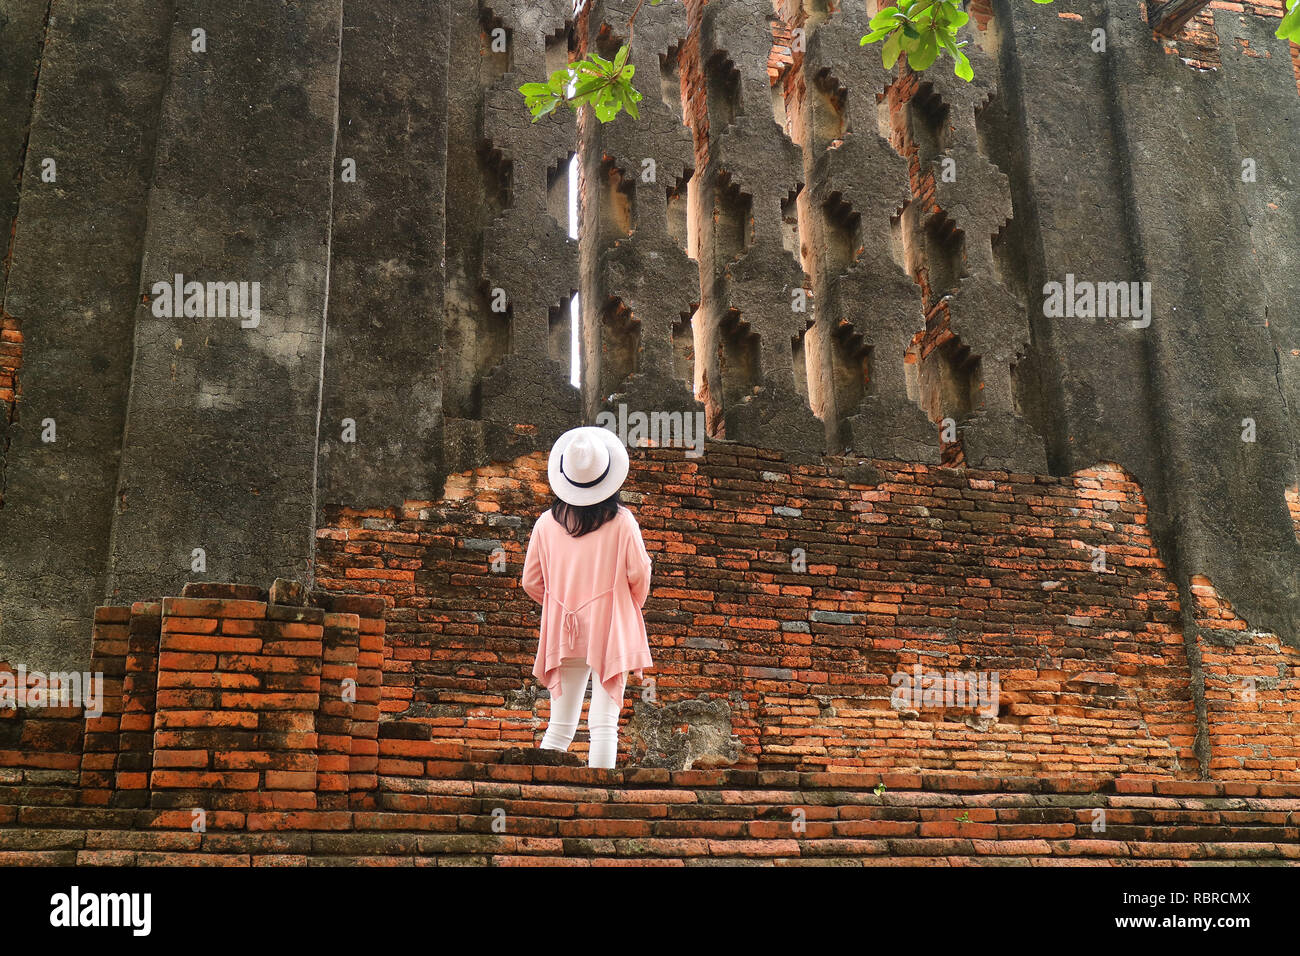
x,y
591,590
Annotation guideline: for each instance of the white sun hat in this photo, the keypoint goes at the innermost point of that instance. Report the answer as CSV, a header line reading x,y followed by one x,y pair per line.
x,y
587,465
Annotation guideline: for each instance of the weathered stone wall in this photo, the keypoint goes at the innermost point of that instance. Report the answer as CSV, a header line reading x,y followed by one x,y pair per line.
x,y
819,255
1170,401
383,374
639,286
73,292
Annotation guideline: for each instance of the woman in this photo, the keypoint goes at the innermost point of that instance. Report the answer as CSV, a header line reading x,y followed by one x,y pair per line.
x,y
588,568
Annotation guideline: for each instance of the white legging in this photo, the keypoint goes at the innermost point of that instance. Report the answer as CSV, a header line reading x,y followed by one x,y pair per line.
x,y
602,715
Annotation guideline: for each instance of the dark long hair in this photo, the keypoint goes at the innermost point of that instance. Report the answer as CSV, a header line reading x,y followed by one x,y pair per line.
x,y
584,519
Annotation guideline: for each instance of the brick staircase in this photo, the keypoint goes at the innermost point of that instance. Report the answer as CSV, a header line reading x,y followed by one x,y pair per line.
x,y
445,815
243,727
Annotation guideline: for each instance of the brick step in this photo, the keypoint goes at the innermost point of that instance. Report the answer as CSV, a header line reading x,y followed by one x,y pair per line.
x,y
739,804
431,758
576,815
452,849
411,794
34,825
443,813
30,796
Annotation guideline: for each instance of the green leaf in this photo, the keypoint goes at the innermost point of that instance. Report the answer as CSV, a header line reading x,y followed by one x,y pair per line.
x,y
963,67
629,101
891,50
620,58
606,111
883,17
561,78
544,108
1289,28
926,52
535,89
588,86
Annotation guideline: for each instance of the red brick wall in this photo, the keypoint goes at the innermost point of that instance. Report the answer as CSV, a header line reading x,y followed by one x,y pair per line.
x,y
219,699
11,360
958,571
39,747
111,646
1250,691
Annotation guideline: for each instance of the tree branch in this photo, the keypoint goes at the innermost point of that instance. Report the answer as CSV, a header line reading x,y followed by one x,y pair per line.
x,y
1167,19
631,22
